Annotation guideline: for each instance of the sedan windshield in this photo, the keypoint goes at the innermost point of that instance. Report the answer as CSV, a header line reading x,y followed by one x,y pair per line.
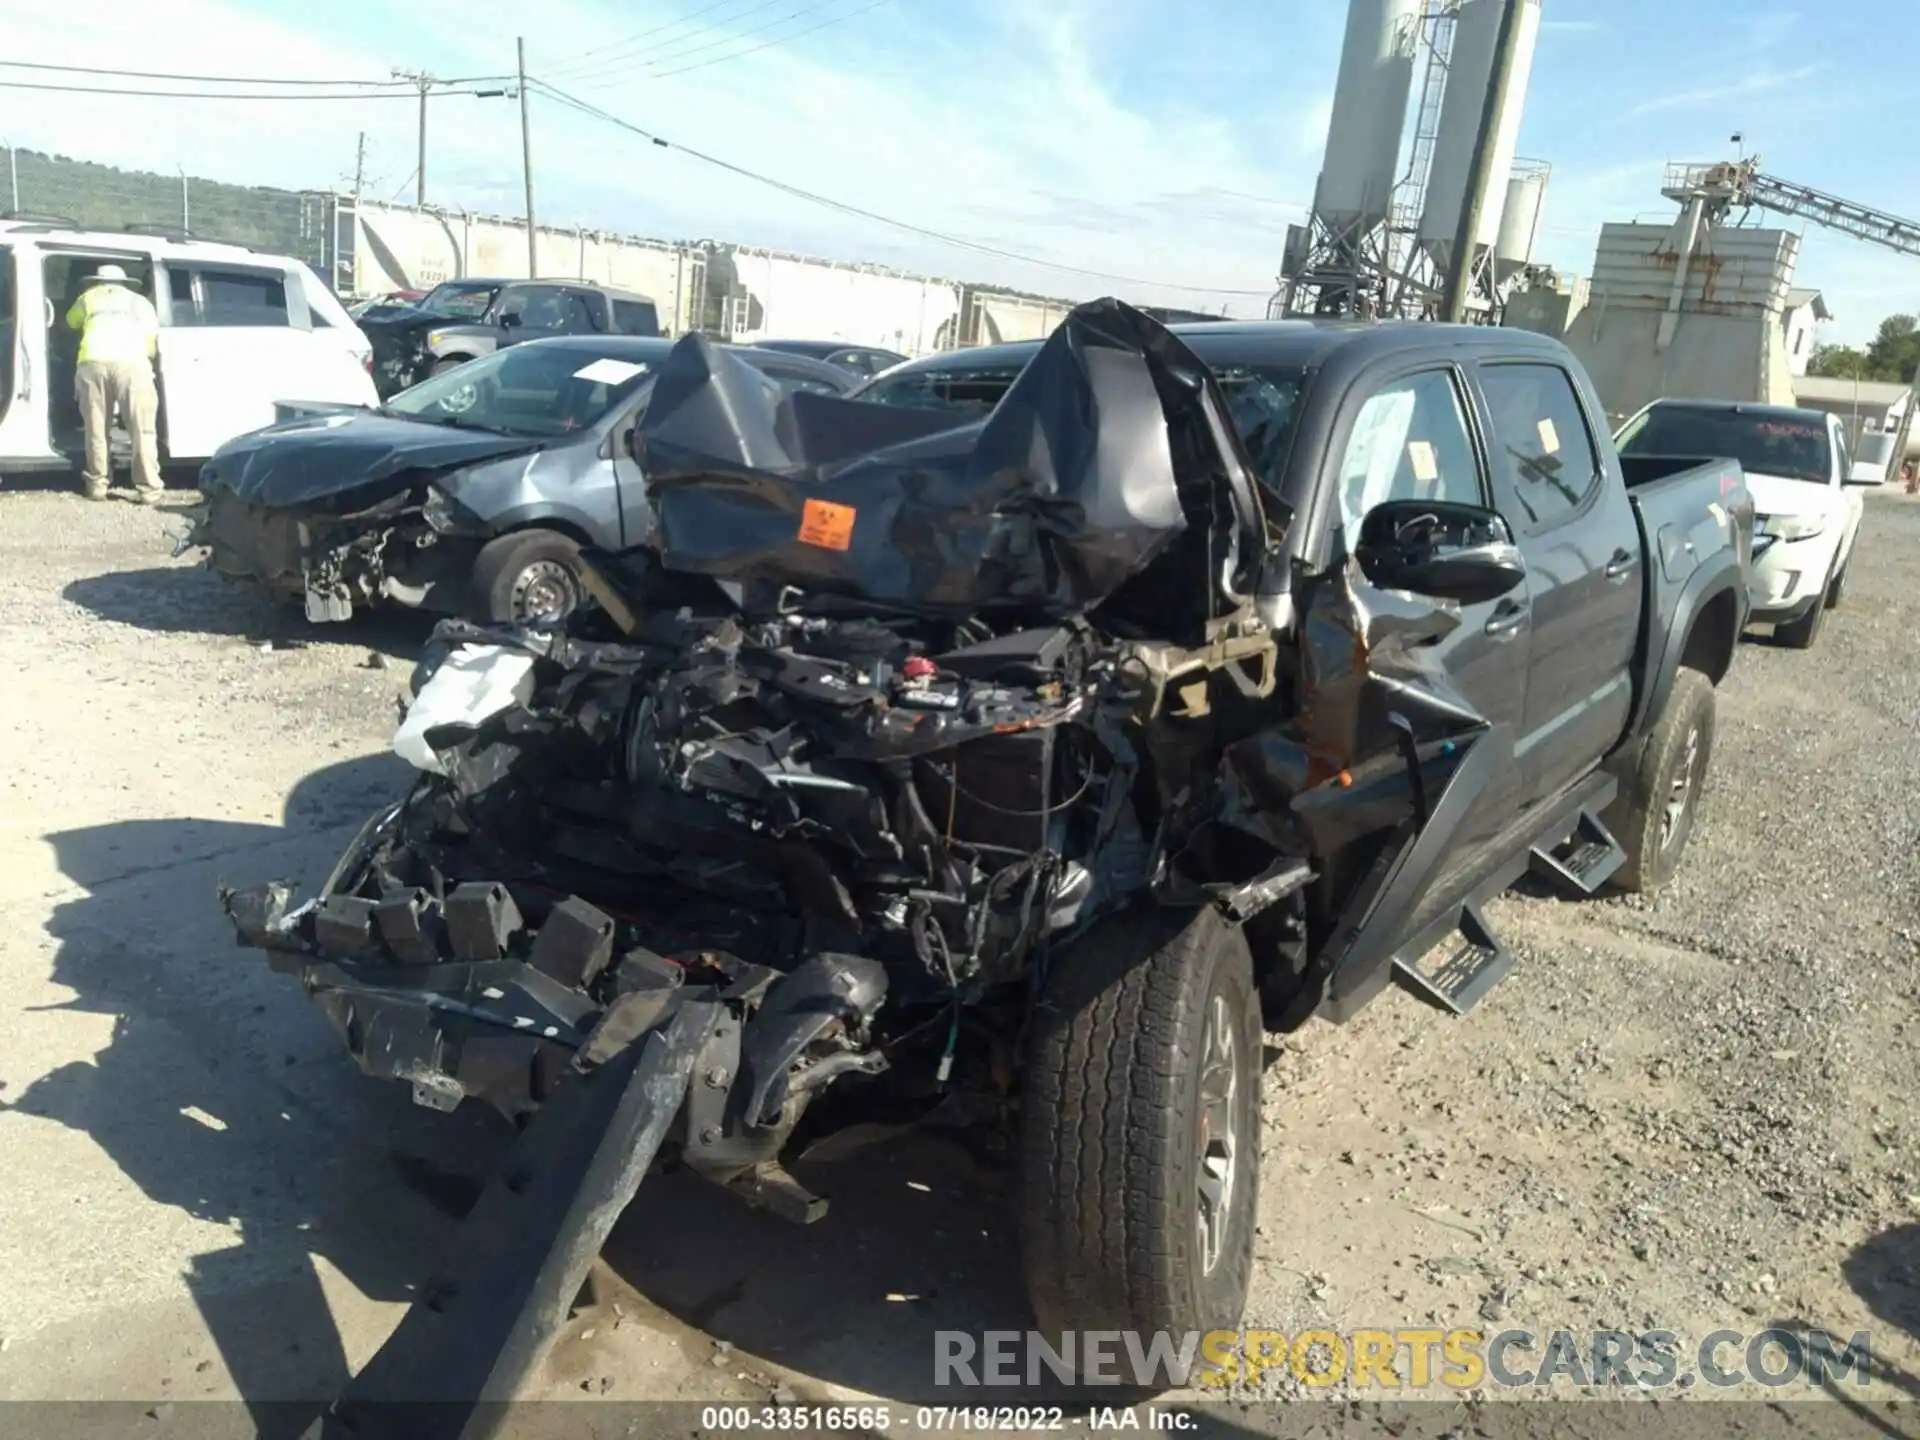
x,y
1762,443
1261,402
460,299
527,390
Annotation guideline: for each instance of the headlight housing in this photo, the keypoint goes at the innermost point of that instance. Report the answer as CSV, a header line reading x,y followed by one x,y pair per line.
x,y
446,515
1795,527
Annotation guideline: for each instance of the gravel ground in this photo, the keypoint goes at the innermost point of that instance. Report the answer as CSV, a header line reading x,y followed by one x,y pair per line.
x,y
1691,1114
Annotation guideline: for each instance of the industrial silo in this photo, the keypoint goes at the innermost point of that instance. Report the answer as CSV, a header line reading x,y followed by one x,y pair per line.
x,y
1469,73
1369,111
1519,221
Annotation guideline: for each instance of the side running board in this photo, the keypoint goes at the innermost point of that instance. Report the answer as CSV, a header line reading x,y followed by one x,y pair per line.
x,y
1475,962
1584,861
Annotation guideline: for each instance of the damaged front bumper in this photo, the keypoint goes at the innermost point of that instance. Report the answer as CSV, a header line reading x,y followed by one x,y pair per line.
x,y
334,564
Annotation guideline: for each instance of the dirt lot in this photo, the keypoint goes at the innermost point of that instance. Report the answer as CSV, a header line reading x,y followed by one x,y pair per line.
x,y
1688,1115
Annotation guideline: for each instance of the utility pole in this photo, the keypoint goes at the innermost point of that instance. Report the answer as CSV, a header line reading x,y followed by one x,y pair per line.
x,y
424,83
526,163
1506,47
359,170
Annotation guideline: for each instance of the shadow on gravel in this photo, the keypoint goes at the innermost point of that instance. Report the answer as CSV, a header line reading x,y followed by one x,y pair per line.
x,y
173,600
224,1095
918,1238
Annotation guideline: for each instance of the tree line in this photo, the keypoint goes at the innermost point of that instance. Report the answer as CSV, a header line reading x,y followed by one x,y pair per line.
x,y
1893,354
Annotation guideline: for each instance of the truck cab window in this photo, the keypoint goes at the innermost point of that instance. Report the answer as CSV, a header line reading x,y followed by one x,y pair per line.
x,y
535,307
580,316
630,317
1541,437
1409,442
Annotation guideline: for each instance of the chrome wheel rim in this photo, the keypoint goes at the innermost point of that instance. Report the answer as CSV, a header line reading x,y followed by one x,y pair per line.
x,y
1220,1101
543,591
1680,792
461,400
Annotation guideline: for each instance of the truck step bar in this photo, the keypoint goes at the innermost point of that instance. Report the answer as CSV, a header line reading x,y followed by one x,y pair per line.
x,y
1474,963
481,1326
1584,861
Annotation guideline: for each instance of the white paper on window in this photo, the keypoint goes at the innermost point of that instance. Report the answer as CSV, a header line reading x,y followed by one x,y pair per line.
x,y
1374,455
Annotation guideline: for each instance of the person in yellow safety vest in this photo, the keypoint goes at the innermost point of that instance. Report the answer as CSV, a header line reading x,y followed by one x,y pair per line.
x,y
119,335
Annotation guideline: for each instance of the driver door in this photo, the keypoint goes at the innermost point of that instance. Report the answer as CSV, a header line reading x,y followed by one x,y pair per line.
x,y
1412,440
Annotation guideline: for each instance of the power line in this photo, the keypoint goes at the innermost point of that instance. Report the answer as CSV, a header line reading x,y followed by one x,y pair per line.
x,y
221,79
650,69
594,60
700,40
979,247
769,44
406,94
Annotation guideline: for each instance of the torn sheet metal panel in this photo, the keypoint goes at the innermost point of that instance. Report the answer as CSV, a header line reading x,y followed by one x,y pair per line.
x,y
1111,442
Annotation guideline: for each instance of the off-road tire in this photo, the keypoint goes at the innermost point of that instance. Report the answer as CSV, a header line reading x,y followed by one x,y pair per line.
x,y
1681,742
1112,1113
500,573
1800,634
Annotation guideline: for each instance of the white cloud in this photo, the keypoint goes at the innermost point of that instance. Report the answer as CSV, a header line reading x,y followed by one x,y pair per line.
x,y
1016,138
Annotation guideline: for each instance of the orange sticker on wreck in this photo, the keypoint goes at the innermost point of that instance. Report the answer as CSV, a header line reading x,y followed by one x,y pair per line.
x,y
827,525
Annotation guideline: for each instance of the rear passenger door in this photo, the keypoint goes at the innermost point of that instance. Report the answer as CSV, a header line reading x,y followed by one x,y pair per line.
x,y
1581,544
1413,439
234,339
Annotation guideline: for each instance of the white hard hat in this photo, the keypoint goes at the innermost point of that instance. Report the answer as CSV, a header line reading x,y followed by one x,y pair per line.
x,y
108,274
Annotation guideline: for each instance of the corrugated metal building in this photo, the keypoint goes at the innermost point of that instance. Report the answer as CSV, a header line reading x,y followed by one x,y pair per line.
x,y
1677,313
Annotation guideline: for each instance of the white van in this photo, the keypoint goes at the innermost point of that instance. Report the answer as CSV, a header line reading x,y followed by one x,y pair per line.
x,y
239,332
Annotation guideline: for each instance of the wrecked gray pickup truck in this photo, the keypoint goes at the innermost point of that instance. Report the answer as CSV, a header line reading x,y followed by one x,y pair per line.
x,y
1024,767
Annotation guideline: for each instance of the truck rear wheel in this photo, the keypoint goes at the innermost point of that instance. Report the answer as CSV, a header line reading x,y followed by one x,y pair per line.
x,y
1653,815
1141,1128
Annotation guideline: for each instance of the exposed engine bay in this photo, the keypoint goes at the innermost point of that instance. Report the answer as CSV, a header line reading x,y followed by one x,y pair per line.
x,y
863,785
790,831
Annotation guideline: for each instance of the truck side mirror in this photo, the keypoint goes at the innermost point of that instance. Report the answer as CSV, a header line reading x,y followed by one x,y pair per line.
x,y
1446,551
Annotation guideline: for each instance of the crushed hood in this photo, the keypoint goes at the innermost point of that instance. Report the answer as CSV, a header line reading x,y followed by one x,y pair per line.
x,y
336,458
1110,456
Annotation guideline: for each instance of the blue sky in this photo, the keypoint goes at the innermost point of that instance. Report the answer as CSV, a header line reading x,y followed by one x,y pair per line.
x,y
1150,140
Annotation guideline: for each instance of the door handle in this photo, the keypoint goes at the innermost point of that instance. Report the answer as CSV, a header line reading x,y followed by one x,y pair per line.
x,y
1507,620
1620,565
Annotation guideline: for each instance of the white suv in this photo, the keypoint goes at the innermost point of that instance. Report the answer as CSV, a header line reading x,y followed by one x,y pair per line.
x,y
240,332
1806,497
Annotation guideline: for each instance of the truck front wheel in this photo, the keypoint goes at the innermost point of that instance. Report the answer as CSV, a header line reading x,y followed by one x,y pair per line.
x,y
1141,1128
1653,815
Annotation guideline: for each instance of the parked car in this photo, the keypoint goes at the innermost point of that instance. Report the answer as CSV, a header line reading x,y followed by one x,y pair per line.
x,y
240,330
472,492
462,320
1206,683
863,360
382,306
1806,497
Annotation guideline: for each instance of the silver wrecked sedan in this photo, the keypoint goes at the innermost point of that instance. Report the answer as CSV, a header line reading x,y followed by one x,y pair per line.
x,y
472,492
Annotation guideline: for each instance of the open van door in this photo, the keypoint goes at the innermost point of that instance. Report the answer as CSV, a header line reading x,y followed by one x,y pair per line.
x,y
232,338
